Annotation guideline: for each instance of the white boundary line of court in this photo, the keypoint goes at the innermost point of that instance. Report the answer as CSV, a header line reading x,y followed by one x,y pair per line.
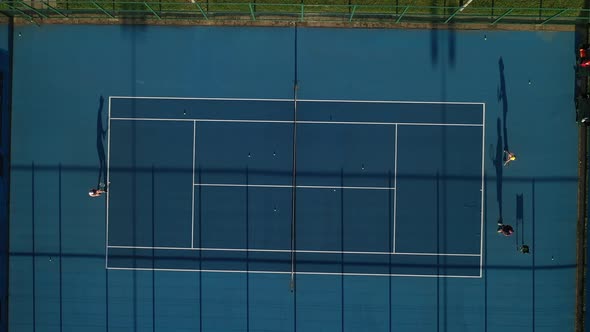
x,y
395,185
299,273
106,261
326,187
481,231
308,122
307,100
333,252
287,186
390,101
193,187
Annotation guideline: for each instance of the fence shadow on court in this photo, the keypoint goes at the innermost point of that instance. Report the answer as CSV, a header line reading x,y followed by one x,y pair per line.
x,y
147,257
73,256
435,36
320,174
73,253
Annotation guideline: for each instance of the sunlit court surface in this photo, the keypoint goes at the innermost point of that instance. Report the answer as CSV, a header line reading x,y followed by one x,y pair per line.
x,y
291,179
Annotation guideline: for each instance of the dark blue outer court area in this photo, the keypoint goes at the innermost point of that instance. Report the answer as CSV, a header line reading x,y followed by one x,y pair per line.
x,y
63,76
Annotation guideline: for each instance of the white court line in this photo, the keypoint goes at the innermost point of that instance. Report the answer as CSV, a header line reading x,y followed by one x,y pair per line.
x,y
395,185
370,123
200,98
390,101
193,188
308,100
312,122
288,186
435,254
300,273
205,120
481,234
106,259
332,252
309,122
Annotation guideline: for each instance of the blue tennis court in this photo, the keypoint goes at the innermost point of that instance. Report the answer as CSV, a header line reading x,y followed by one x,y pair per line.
x,y
207,185
290,179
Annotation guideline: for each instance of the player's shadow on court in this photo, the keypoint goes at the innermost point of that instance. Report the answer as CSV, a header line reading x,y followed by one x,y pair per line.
x,y
101,134
502,96
519,220
498,161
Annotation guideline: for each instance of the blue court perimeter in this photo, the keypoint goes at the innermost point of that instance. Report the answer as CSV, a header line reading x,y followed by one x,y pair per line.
x,y
59,126
203,184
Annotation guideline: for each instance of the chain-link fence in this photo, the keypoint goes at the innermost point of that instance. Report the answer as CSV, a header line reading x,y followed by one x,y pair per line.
x,y
493,12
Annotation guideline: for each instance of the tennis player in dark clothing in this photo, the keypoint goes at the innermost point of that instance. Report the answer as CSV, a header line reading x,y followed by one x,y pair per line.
x,y
503,229
98,191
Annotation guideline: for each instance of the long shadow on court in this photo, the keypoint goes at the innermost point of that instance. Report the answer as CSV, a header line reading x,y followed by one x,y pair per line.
x,y
435,36
5,102
503,97
452,35
319,174
170,259
101,133
519,220
497,160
